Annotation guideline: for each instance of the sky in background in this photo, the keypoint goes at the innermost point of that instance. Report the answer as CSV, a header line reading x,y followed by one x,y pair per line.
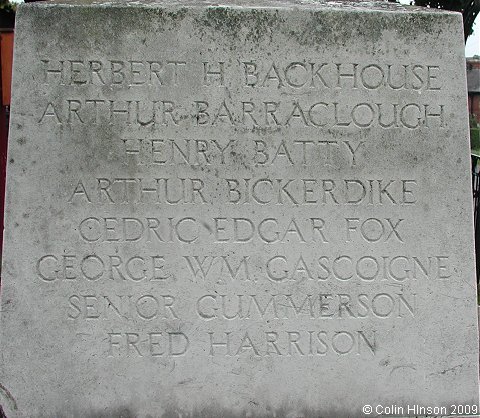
x,y
473,44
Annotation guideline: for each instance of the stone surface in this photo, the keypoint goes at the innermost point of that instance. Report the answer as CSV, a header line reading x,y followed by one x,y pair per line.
x,y
237,211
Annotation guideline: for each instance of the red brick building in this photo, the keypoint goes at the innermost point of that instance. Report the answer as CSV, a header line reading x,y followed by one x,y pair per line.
x,y
473,82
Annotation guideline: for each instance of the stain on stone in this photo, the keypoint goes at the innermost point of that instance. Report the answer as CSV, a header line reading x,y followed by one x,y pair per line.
x,y
385,362
119,412
248,24
286,411
320,27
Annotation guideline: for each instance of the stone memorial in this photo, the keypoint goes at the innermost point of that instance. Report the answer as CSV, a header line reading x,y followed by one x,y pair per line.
x,y
252,209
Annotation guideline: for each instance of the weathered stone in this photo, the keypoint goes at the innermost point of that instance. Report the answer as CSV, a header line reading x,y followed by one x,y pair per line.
x,y
246,210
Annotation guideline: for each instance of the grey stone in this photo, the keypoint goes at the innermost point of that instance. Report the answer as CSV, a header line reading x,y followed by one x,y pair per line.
x,y
243,210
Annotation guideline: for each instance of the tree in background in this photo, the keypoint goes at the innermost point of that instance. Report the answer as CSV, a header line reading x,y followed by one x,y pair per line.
x,y
7,14
6,5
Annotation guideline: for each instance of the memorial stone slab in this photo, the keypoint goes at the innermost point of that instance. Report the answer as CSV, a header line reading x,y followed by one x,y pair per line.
x,y
253,209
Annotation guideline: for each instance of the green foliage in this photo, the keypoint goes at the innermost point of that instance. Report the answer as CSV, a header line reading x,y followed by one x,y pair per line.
x,y
474,136
475,141
6,6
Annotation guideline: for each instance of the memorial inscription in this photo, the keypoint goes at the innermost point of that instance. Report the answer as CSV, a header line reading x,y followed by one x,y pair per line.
x,y
237,211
